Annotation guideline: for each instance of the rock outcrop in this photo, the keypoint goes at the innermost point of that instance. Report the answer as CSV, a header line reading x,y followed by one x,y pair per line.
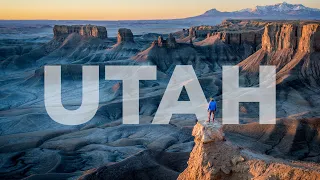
x,y
237,38
124,35
230,26
290,138
291,47
201,31
83,30
303,38
214,157
170,42
125,47
243,36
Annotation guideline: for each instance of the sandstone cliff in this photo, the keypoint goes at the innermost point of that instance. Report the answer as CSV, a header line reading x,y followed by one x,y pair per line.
x,y
237,38
292,47
207,55
232,31
214,157
83,30
125,47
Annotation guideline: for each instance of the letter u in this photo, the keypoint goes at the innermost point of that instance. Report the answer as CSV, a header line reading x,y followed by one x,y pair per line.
x,y
90,96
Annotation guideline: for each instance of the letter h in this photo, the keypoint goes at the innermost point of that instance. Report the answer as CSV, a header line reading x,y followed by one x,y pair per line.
x,y
265,94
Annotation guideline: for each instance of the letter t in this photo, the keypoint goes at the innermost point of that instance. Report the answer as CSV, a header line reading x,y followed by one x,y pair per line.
x,y
130,75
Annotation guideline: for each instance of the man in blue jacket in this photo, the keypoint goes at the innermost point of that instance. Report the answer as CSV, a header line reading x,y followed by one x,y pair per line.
x,y
212,109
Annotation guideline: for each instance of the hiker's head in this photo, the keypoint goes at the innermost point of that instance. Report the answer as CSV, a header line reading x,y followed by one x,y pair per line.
x,y
211,99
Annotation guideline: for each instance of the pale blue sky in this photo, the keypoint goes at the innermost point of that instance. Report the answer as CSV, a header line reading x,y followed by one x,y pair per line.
x,y
125,9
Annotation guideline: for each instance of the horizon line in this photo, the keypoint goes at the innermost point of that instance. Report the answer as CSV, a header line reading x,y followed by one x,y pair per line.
x,y
156,19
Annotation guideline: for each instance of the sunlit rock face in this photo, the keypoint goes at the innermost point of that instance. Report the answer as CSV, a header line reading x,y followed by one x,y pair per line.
x,y
300,37
83,30
292,47
215,157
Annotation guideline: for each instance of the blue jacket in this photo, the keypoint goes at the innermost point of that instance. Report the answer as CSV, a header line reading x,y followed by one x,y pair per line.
x,y
212,106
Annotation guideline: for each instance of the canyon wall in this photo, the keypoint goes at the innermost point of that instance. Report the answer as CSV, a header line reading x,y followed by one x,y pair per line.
x,y
293,47
251,37
301,37
238,38
234,32
83,30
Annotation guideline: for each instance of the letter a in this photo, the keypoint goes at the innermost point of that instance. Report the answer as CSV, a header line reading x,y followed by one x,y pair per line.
x,y
183,76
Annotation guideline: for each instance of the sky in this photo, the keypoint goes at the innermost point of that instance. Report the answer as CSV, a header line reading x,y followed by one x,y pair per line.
x,y
124,9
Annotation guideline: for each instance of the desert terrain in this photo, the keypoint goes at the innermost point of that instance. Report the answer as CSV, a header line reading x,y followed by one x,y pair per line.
x,y
33,146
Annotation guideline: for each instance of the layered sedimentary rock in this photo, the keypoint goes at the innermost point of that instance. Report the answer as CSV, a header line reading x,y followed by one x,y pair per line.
x,y
215,157
303,37
104,145
238,38
125,35
242,36
83,30
201,31
266,151
292,47
166,53
229,26
289,138
125,46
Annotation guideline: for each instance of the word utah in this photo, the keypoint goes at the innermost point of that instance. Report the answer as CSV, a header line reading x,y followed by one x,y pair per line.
x,y
183,76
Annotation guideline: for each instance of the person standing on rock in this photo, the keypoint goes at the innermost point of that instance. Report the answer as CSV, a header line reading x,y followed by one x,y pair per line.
x,y
212,109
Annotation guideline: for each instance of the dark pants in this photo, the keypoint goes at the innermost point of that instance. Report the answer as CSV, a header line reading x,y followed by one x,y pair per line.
x,y
209,115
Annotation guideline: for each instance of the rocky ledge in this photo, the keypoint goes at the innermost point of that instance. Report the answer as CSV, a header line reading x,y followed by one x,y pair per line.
x,y
214,157
83,30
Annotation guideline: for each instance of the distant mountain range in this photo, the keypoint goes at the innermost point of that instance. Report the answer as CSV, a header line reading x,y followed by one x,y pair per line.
x,y
277,11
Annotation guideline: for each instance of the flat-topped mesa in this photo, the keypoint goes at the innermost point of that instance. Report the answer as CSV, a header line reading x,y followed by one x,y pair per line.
x,y
83,30
230,26
251,37
125,35
170,42
303,37
201,31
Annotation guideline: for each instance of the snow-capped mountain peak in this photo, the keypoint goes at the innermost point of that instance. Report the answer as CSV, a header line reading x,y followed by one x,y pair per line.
x,y
277,11
281,7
